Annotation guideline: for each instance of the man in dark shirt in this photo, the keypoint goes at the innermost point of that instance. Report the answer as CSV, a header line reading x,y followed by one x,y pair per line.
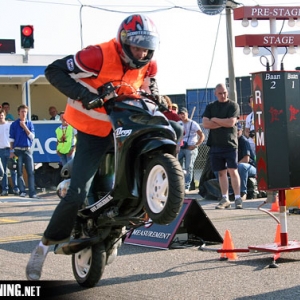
x,y
221,117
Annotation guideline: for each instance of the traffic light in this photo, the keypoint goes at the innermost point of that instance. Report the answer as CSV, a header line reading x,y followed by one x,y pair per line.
x,y
27,36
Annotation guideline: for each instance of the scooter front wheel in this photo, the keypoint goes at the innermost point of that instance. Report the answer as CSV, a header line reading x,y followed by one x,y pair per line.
x,y
163,188
88,265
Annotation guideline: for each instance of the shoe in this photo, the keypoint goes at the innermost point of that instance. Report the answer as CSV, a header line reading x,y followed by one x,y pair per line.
x,y
243,196
224,203
16,192
238,203
4,193
200,198
35,263
23,194
35,197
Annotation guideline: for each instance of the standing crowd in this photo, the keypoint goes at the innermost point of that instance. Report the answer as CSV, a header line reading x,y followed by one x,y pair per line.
x,y
15,142
16,138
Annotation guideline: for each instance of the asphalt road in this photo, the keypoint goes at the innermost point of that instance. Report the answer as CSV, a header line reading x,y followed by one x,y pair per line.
x,y
148,273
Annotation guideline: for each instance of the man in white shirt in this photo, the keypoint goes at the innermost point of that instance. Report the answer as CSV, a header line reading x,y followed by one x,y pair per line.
x,y
193,138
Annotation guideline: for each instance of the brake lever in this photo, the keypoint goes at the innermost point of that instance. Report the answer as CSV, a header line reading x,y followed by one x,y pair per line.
x,y
107,91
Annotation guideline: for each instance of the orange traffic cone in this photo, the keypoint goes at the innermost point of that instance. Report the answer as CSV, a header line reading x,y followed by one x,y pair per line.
x,y
275,203
277,239
228,245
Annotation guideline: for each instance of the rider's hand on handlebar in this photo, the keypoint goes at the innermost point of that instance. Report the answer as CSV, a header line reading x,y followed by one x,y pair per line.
x,y
90,100
154,90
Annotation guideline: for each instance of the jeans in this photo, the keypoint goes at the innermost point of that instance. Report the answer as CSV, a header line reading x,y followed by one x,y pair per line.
x,y
245,170
90,150
25,157
64,158
187,159
4,155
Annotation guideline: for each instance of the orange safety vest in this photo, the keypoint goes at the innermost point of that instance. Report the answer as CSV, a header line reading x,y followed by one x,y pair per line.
x,y
96,121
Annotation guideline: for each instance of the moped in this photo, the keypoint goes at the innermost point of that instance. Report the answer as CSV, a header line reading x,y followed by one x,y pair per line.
x,y
140,180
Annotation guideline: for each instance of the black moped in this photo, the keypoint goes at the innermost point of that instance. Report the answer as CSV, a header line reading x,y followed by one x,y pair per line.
x,y
140,180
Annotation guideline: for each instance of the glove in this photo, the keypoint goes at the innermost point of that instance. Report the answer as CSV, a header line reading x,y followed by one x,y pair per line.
x,y
154,90
90,100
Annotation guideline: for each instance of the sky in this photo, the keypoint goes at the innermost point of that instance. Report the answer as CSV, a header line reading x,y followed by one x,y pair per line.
x,y
193,46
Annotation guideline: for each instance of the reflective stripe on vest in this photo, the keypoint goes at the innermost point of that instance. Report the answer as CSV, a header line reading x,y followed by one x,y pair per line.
x,y
94,121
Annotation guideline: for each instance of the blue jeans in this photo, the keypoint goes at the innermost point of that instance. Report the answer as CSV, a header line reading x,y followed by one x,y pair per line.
x,y
187,159
64,158
4,155
90,151
26,158
245,170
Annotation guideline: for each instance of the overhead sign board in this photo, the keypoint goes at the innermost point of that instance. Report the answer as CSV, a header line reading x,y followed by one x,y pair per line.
x,y
267,40
266,12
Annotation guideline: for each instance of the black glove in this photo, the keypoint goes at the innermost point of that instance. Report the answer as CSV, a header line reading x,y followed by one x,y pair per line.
x,y
90,100
154,90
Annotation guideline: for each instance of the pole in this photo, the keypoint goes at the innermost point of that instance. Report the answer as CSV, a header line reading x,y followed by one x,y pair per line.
x,y
193,111
231,74
274,48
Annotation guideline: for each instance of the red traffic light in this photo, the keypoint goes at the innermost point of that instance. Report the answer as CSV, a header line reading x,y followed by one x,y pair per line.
x,y
27,30
27,39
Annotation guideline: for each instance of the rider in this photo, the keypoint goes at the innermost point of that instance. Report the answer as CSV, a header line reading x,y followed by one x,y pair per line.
x,y
127,58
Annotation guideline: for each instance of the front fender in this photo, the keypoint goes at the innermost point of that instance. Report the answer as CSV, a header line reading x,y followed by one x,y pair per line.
x,y
152,144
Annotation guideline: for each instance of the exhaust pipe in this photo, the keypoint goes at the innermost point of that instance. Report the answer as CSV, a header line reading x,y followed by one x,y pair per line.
x,y
75,245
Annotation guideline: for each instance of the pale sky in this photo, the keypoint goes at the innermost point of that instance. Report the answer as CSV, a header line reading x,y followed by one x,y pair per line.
x,y
192,52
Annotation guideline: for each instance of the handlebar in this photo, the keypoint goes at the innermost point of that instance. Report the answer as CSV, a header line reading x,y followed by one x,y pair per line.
x,y
108,91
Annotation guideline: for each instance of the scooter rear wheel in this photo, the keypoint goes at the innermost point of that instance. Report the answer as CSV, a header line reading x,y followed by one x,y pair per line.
x,y
163,188
88,265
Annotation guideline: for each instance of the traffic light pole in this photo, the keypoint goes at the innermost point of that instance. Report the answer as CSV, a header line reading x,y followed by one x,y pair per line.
x,y
25,56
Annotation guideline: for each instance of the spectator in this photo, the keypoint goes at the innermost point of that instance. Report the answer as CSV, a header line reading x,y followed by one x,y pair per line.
x,y
54,113
66,139
246,161
249,126
192,139
174,107
6,107
221,117
170,113
21,136
175,120
5,154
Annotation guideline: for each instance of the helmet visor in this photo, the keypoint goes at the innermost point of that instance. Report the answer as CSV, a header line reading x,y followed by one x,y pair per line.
x,y
142,39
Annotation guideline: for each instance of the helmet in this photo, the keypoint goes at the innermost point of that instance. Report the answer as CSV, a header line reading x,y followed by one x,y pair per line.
x,y
139,31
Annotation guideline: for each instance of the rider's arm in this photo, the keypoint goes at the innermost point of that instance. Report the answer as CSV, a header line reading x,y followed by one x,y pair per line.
x,y
63,72
151,73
